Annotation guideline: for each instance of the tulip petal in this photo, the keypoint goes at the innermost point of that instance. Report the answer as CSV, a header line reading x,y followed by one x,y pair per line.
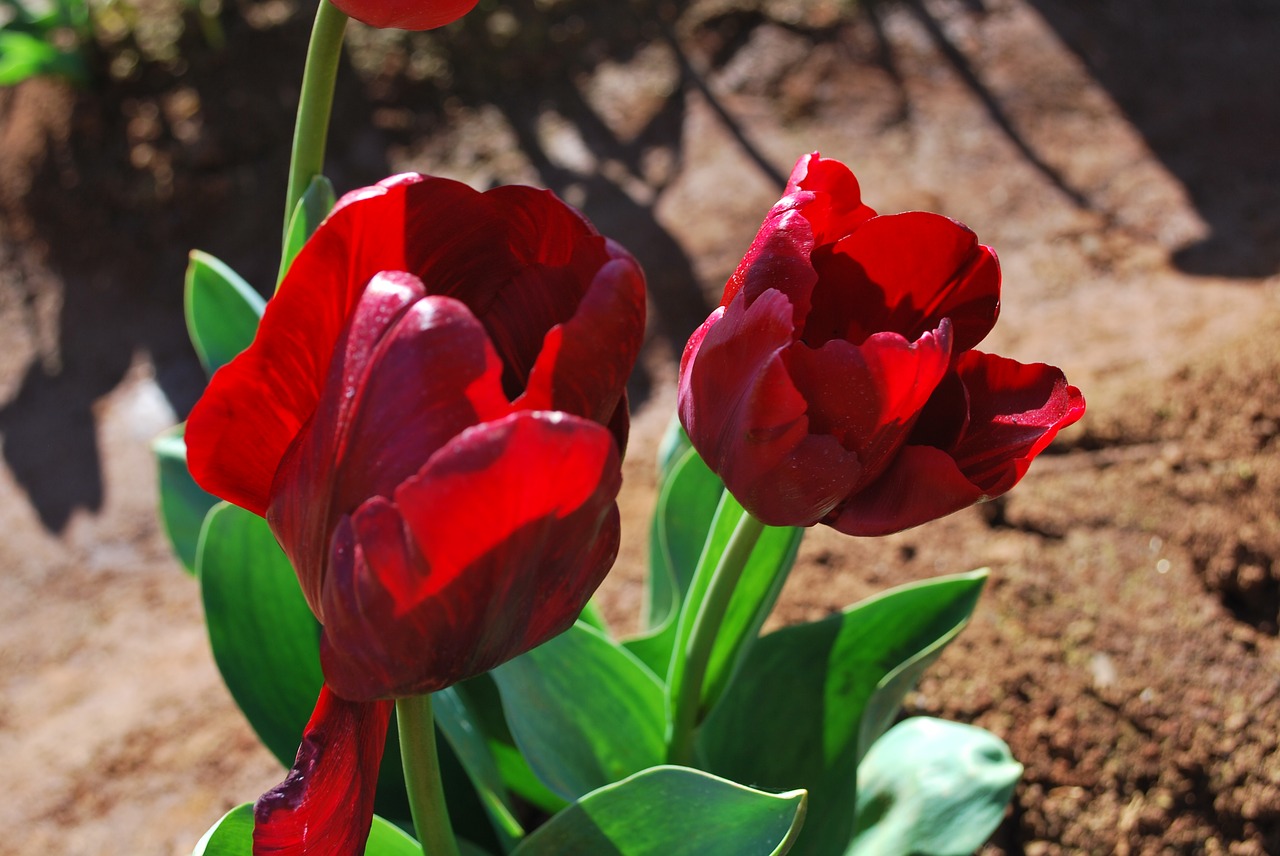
x,y
836,207
1015,411
905,273
778,259
745,416
868,396
255,406
584,363
325,804
921,484
410,373
406,14
493,548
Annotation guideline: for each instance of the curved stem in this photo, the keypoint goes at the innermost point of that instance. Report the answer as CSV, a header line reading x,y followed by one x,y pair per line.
x,y
706,626
315,102
422,776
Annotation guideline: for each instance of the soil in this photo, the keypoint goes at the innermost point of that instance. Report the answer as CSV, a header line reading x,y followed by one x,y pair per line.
x,y
1119,156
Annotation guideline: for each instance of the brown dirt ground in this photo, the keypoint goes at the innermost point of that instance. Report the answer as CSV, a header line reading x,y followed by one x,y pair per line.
x,y
1120,156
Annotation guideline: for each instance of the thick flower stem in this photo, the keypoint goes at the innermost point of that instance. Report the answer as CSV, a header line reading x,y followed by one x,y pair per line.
x,y
311,130
422,776
706,627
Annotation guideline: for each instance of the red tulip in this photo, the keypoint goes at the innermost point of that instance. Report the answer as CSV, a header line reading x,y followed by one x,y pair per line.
x,y
836,383
406,14
431,418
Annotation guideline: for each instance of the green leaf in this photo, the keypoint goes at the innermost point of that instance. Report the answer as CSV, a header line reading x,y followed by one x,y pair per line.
x,y
484,703
583,711
266,642
933,788
183,504
674,444
468,742
800,713
222,311
233,836
753,598
672,811
316,203
26,55
687,503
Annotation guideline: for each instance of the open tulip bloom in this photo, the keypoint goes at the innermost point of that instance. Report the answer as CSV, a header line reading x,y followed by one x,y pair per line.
x,y
431,414
838,383
431,417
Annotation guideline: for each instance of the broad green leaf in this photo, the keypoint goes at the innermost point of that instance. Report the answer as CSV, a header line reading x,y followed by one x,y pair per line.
x,y
484,703
233,836
672,811
222,311
795,716
933,788
687,503
753,597
183,504
675,442
468,742
26,55
583,711
266,642
316,202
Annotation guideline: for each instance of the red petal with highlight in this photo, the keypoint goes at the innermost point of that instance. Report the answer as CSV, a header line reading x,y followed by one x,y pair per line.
x,y
492,549
325,805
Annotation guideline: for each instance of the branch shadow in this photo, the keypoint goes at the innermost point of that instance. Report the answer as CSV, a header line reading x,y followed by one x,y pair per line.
x,y
1199,82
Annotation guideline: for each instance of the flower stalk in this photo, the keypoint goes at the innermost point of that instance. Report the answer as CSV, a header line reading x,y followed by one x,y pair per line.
x,y
315,103
422,776
687,704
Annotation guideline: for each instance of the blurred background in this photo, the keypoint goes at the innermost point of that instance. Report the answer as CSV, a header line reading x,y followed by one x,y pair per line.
x,y
1120,155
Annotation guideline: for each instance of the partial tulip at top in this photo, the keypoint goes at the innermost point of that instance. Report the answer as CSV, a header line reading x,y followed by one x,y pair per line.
x,y
431,418
838,383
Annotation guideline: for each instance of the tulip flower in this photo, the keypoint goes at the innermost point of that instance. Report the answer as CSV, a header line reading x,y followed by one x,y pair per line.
x,y
406,14
431,418
837,382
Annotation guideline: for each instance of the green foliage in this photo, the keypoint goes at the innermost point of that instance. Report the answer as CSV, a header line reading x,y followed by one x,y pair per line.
x,y
316,202
933,788
583,711
183,503
672,811
811,698
233,836
222,311
266,642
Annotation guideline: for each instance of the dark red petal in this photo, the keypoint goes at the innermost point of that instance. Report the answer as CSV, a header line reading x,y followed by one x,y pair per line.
x,y
836,207
254,406
585,362
748,421
921,484
1015,411
492,549
408,377
868,396
778,259
324,807
905,273
406,14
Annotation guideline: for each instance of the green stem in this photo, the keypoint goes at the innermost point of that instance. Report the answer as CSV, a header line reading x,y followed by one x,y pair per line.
x,y
422,776
706,627
315,102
